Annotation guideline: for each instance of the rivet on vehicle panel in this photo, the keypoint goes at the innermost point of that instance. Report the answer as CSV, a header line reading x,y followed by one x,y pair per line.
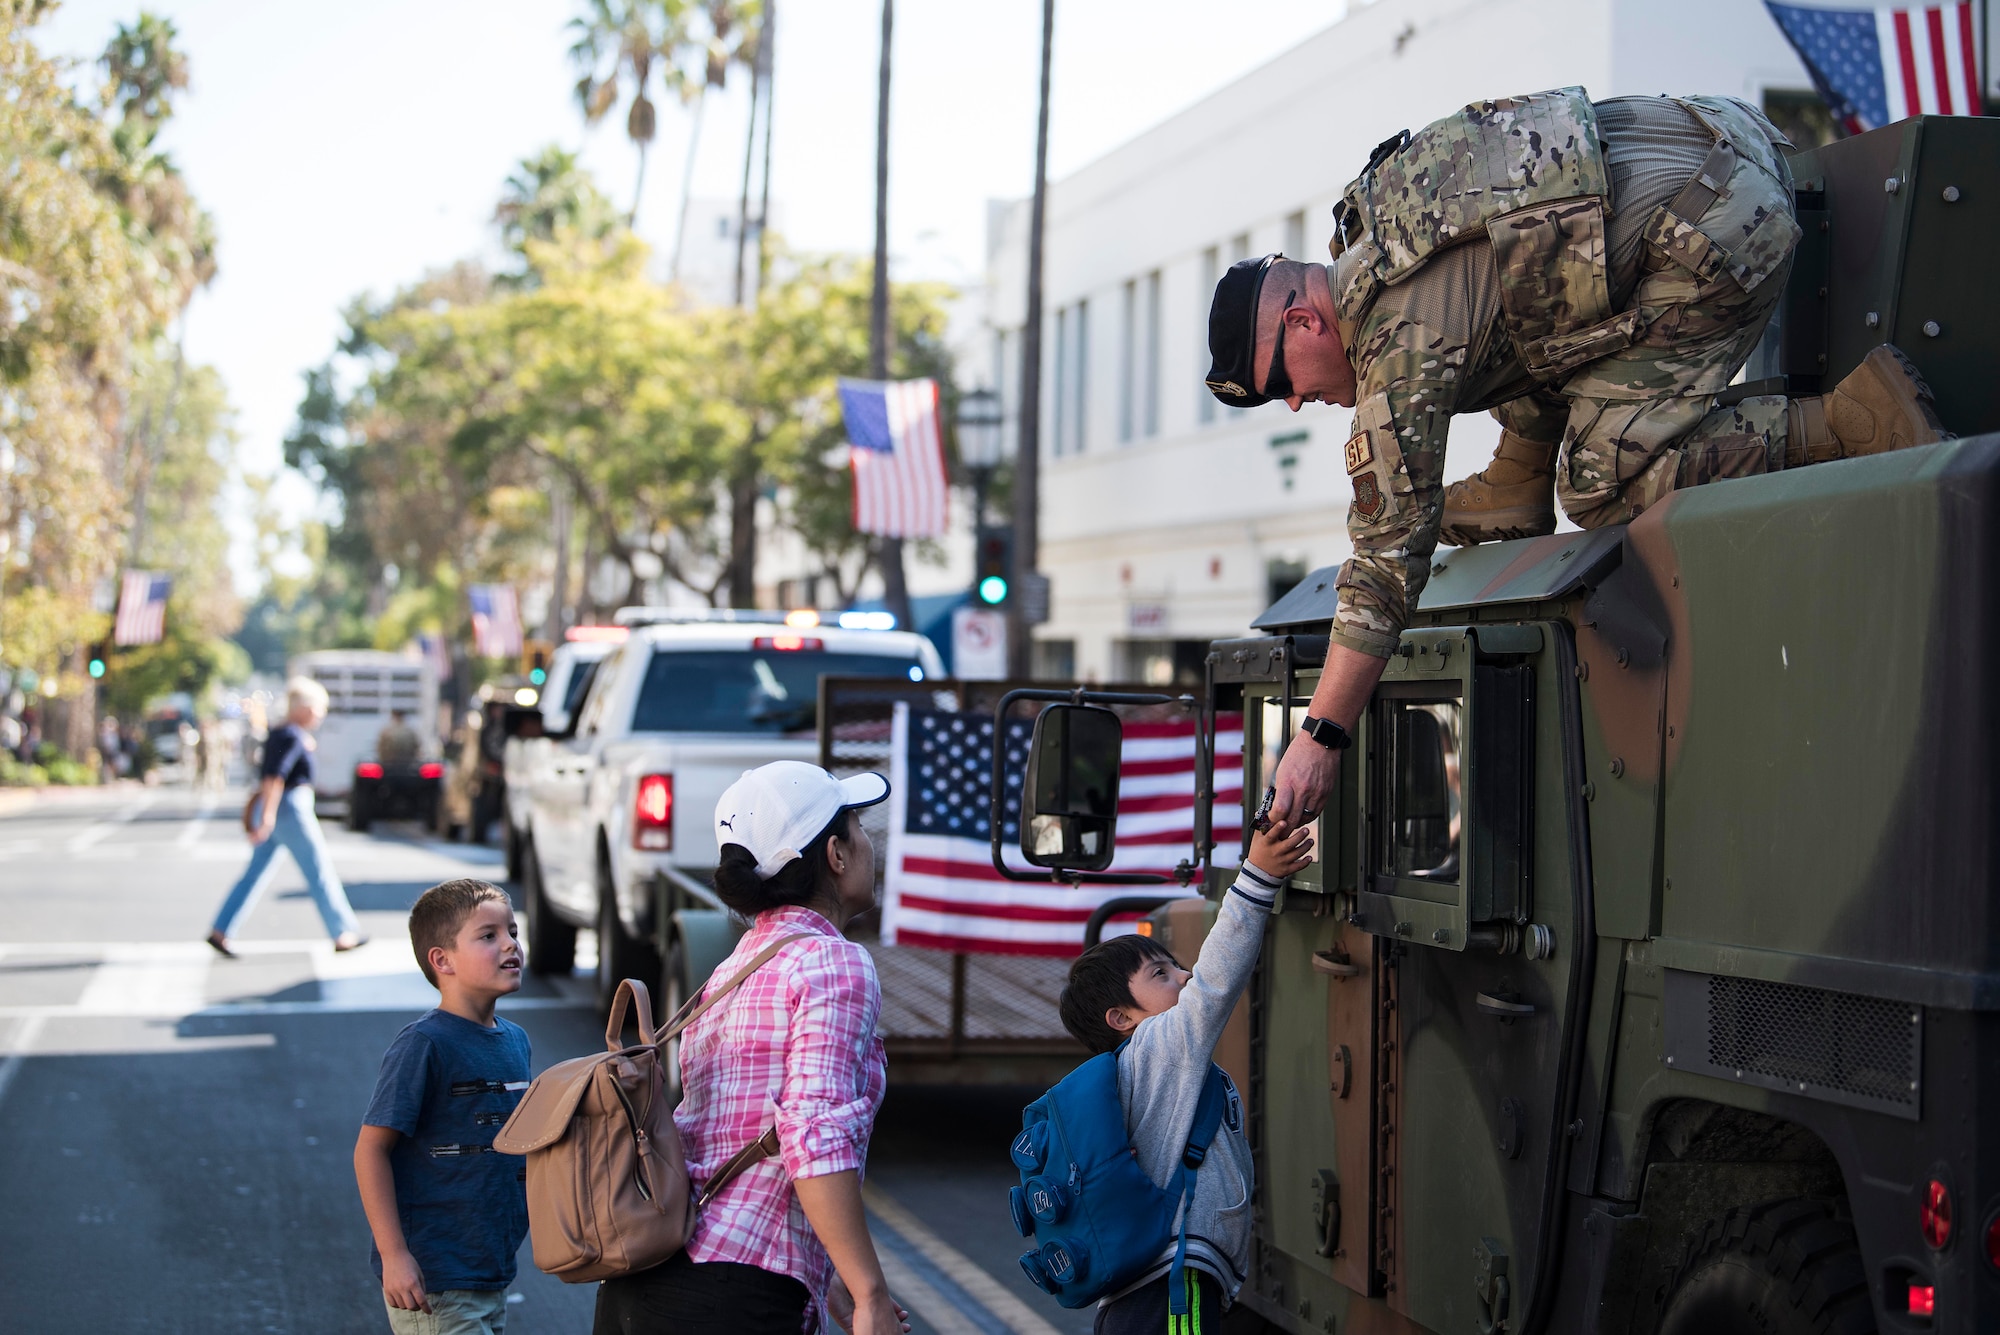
x,y
1589,792
1874,319
1617,767
1932,329
1624,656
1889,186
1670,1061
1670,730
1440,935
1951,194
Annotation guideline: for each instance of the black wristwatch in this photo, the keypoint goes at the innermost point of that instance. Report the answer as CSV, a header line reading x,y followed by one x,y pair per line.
x,y
1327,733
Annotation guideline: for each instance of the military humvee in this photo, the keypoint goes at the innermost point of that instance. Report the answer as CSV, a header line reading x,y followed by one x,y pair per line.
x,y
1649,978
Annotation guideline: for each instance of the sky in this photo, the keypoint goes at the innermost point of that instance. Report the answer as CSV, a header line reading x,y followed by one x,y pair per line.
x,y
348,149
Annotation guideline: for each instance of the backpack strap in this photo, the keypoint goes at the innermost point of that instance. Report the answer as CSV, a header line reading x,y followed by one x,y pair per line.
x,y
1207,1122
699,1004
754,1153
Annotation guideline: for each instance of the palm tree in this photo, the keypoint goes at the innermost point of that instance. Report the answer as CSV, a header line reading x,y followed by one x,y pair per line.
x,y
732,38
619,41
551,192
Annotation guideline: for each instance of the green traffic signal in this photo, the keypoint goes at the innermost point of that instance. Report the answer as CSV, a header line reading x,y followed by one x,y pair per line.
x,y
538,676
96,668
993,590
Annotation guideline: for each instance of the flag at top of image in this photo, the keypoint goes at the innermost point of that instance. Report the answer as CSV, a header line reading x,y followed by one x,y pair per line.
x,y
897,454
496,621
1875,66
142,608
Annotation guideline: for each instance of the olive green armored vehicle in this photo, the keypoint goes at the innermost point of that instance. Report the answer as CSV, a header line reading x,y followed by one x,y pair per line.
x,y
1649,977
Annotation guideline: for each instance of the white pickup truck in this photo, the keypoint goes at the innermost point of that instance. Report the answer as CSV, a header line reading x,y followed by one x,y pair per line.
x,y
571,670
674,715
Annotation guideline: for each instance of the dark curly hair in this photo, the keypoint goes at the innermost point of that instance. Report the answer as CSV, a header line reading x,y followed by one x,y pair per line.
x,y
1101,978
799,881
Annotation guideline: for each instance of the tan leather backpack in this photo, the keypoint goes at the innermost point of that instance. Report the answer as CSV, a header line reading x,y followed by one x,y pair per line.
x,y
608,1190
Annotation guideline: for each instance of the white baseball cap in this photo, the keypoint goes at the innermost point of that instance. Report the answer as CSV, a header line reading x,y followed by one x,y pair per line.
x,y
777,809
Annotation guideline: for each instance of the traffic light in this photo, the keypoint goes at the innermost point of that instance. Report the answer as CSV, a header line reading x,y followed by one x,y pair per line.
x,y
535,655
992,564
95,661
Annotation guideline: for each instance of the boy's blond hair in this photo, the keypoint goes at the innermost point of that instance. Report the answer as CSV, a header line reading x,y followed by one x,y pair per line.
x,y
441,910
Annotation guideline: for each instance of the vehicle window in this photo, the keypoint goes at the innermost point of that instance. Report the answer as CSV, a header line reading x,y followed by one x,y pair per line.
x,y
580,677
764,691
1424,792
593,710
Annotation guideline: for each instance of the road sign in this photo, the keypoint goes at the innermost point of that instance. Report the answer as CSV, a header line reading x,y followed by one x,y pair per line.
x,y
1031,595
978,644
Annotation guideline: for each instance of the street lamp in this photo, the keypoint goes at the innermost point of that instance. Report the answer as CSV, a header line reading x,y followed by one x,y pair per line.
x,y
980,449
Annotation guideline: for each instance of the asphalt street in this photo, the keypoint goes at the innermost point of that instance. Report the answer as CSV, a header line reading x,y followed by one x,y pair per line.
x,y
179,1127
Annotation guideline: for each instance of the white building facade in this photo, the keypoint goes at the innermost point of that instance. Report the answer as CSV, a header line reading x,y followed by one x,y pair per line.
x,y
1168,520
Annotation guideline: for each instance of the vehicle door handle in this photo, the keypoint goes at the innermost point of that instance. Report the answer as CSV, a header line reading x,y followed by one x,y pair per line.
x,y
1335,964
1505,1007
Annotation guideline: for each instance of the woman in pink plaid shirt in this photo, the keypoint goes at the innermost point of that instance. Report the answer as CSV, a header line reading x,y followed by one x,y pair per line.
x,y
793,1050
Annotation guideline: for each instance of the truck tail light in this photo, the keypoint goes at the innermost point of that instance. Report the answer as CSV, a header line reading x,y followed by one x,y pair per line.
x,y
1993,1242
1923,1300
1935,1217
653,813
788,644
368,769
430,769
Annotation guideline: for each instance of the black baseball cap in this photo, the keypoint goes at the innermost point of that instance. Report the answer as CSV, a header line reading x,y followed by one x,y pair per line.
x,y
1232,333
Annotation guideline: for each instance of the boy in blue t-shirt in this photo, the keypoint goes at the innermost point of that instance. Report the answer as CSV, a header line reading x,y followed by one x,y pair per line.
x,y
447,1212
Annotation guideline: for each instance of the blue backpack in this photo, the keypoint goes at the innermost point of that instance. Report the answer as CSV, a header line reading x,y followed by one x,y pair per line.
x,y
1100,1219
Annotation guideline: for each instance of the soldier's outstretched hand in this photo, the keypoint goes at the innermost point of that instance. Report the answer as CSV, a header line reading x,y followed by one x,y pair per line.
x,y
1304,781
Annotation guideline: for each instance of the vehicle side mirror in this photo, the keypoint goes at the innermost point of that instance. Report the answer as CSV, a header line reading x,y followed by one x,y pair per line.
x,y
1069,800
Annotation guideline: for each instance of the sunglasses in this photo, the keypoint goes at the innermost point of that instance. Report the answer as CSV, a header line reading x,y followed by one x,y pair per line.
x,y
1277,381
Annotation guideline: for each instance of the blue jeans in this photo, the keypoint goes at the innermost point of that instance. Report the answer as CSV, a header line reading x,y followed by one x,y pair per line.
x,y
298,833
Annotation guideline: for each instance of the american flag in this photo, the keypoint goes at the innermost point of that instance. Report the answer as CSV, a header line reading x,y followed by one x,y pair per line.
x,y
496,621
897,457
940,890
142,608
1879,65
433,650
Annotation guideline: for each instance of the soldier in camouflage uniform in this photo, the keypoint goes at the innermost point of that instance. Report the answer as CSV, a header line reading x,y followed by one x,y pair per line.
x,y
1594,274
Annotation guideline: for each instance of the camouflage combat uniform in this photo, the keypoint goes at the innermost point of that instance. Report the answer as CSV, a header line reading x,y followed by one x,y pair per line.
x,y
1472,270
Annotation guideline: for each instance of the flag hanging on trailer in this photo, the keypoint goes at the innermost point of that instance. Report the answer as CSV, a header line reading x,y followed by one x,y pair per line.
x,y
496,621
939,887
896,454
142,608
1875,66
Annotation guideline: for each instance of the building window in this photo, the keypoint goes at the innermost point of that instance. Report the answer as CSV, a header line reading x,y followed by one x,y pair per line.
x,y
1149,385
1211,274
1079,378
1054,660
1281,576
1060,399
1161,662
1295,235
1128,361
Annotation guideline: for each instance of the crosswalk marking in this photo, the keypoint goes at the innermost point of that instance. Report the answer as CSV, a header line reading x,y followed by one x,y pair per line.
x,y
196,822
146,981
98,830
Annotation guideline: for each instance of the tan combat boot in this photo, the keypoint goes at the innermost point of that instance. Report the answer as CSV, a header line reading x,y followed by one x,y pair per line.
x,y
1513,497
1882,405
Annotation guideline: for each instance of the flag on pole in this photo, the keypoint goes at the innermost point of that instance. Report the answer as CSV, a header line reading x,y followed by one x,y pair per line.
x,y
142,608
1875,66
432,649
496,621
939,888
896,451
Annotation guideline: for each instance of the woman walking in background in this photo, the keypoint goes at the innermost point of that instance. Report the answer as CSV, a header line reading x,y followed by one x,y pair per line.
x,y
281,816
789,1060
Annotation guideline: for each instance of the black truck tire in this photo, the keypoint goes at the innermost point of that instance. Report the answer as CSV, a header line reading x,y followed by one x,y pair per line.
x,y
357,813
620,955
551,941
1789,1267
